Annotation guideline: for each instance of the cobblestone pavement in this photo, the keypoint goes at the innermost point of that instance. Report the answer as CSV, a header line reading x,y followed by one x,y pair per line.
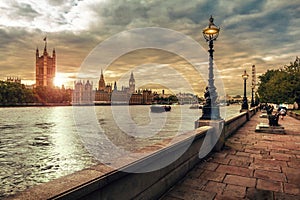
x,y
251,166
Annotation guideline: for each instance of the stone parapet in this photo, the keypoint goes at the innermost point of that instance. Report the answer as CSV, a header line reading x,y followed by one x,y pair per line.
x,y
129,181
294,115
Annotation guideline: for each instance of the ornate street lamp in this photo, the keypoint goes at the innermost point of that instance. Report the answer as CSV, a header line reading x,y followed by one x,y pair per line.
x,y
245,102
211,110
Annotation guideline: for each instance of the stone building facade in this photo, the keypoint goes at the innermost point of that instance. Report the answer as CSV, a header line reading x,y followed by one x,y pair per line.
x,y
45,67
13,79
108,94
83,93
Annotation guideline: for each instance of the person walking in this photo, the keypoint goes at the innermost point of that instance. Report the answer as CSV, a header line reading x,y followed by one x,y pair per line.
x,y
282,113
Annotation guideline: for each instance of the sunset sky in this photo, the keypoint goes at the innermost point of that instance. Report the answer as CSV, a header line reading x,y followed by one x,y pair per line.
x,y
255,32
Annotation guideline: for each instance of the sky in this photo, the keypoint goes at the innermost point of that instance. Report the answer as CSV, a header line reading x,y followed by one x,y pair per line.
x,y
264,33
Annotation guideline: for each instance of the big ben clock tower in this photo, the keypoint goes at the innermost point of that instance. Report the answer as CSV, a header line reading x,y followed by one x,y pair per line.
x,y
131,84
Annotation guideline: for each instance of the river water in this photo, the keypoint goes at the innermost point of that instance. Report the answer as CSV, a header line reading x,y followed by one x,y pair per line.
x,y
39,144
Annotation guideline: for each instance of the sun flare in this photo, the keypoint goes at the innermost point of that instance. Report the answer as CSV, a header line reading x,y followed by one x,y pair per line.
x,y
59,80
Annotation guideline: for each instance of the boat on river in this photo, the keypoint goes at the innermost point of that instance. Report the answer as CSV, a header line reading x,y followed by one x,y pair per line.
x,y
160,108
196,106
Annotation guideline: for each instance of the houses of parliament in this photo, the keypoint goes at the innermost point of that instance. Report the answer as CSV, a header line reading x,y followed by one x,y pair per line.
x,y
110,94
83,92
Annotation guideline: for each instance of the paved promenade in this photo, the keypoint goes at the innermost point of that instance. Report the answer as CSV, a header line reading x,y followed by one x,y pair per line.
x,y
252,166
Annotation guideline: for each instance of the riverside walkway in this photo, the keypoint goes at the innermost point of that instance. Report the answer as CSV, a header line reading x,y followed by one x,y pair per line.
x,y
251,166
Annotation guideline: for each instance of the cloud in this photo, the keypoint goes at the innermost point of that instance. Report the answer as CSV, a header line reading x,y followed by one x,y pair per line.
x,y
264,33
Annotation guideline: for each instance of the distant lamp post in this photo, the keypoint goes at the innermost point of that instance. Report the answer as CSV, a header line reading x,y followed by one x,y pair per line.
x,y
211,109
245,102
252,98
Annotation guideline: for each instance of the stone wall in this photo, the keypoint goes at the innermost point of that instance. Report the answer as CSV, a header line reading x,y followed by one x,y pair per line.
x,y
294,115
103,182
234,123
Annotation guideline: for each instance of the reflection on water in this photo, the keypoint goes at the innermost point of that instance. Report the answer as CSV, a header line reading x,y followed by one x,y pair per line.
x,y
38,144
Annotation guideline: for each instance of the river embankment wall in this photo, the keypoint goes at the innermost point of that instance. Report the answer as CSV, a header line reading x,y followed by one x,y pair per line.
x,y
294,115
104,182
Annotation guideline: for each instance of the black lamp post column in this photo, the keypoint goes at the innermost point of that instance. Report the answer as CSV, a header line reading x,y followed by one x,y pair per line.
x,y
211,85
211,110
245,101
252,98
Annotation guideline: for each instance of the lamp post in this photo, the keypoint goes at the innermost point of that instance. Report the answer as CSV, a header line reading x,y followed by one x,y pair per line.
x,y
252,98
210,110
245,102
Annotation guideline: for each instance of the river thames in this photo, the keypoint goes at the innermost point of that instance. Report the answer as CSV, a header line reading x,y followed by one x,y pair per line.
x,y
39,144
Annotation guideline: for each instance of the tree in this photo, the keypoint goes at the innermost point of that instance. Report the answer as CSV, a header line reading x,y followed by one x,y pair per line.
x,y
15,93
172,99
293,71
52,95
281,85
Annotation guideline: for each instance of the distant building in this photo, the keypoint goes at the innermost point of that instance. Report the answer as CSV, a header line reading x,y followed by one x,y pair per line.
x,y
13,79
83,93
45,67
131,84
126,95
106,94
103,93
187,98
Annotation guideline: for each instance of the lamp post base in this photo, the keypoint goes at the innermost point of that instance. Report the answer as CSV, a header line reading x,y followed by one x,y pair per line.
x,y
210,113
216,136
245,105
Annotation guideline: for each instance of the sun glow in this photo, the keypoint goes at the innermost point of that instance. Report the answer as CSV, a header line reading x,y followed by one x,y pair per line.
x,y
59,80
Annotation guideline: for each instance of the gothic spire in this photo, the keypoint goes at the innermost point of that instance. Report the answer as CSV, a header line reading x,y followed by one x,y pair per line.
x,y
115,86
101,85
45,48
37,52
101,76
131,76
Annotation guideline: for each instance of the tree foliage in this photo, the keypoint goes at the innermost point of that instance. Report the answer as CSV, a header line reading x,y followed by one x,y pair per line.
x,y
52,95
281,85
15,93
